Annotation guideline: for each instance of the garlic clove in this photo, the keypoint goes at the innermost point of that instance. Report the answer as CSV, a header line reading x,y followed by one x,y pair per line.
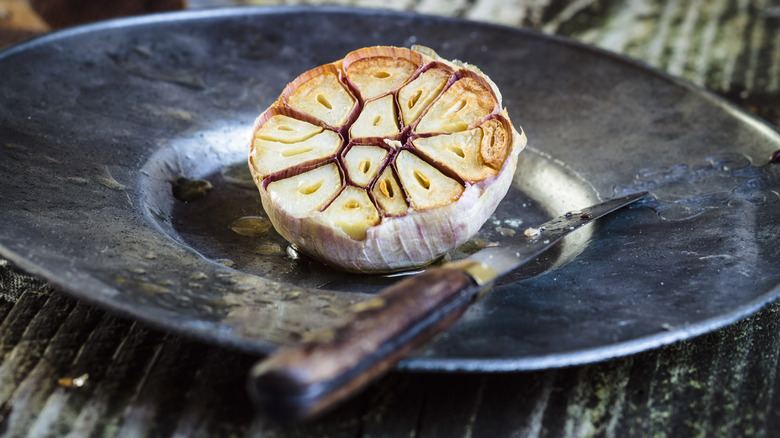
x,y
362,163
352,212
494,144
320,93
375,71
388,193
466,101
415,96
474,154
378,118
286,129
306,192
273,156
425,185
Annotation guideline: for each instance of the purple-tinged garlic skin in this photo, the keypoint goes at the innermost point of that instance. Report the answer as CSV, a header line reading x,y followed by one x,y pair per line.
x,y
425,153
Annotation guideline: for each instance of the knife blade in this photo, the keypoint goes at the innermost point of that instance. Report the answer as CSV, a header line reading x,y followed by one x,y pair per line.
x,y
299,382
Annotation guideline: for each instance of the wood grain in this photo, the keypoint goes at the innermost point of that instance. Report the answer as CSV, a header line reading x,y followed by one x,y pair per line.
x,y
146,383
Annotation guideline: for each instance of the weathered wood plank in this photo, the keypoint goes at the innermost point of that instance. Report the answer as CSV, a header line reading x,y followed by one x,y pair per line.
x,y
30,346
514,403
113,356
146,383
450,404
395,405
15,323
215,400
31,394
158,398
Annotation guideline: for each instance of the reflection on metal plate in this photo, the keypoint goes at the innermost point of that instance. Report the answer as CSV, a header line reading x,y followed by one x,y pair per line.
x,y
97,124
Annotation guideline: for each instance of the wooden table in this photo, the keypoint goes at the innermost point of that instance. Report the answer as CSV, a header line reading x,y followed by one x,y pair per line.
x,y
138,381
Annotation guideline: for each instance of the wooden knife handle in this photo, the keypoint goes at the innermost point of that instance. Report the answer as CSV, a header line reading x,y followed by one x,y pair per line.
x,y
299,382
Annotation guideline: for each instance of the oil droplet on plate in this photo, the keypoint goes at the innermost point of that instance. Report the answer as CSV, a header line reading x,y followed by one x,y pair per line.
x,y
151,288
268,249
198,276
507,232
330,311
291,296
251,226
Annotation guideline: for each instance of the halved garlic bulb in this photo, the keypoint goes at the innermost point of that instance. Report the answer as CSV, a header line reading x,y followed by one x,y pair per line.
x,y
384,160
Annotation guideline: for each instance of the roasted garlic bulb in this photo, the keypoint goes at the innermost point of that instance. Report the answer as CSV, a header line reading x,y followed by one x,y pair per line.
x,y
384,160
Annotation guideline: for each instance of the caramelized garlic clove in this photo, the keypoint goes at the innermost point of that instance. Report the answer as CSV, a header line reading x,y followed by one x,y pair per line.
x,y
377,119
321,94
375,71
415,96
425,185
362,163
273,156
495,142
388,193
285,129
474,154
306,192
352,212
465,102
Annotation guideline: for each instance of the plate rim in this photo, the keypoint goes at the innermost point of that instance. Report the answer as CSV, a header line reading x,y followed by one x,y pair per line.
x,y
527,363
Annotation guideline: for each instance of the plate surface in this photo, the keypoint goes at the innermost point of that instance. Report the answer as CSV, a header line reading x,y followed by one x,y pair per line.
x,y
98,122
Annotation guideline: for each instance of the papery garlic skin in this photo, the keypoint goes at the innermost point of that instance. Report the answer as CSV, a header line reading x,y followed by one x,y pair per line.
x,y
393,237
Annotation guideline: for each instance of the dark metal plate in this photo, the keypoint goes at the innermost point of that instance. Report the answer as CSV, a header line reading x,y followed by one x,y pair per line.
x,y
97,122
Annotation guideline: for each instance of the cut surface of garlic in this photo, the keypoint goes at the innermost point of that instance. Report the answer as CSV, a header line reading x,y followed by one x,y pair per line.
x,y
384,160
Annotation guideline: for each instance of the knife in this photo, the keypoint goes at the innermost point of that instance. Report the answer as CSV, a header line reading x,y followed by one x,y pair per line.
x,y
299,382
